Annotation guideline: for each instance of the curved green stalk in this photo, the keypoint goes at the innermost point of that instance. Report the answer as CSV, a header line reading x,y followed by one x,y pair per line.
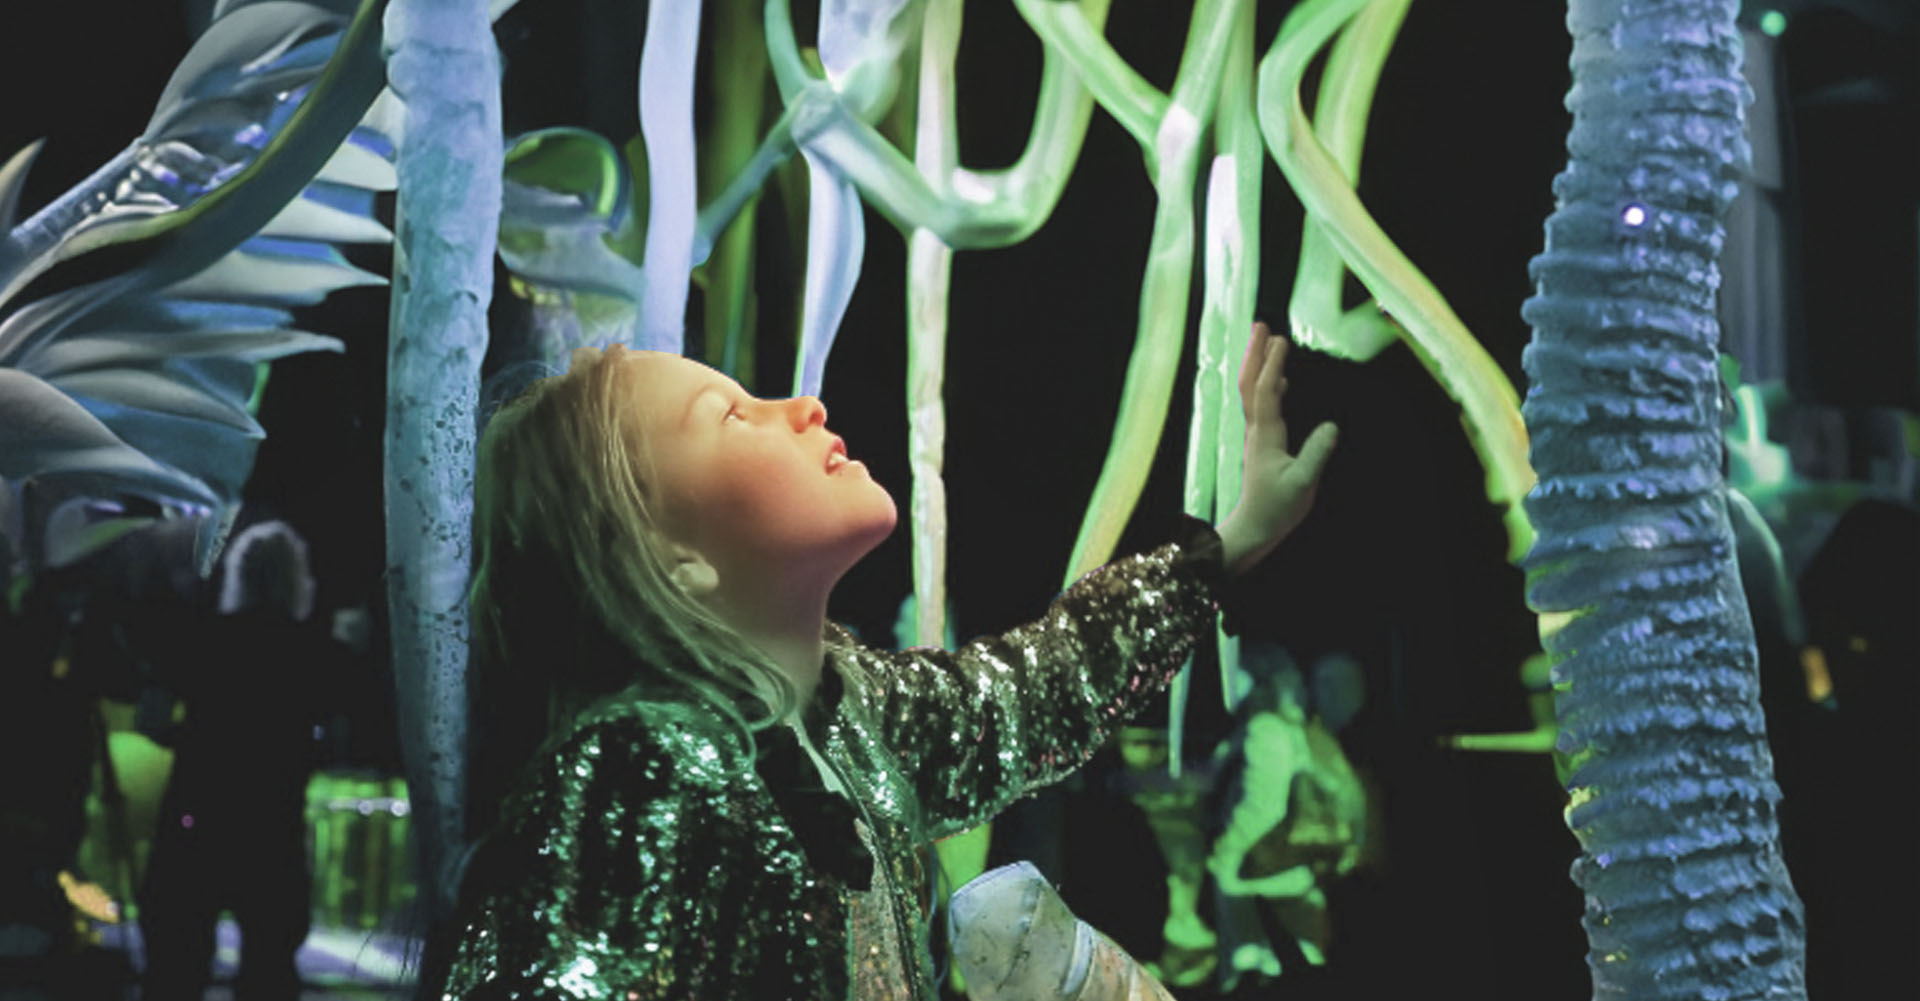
x,y
1163,295
748,177
969,210
929,278
1316,317
1232,277
1436,335
1237,134
739,84
790,70
1066,30
1060,118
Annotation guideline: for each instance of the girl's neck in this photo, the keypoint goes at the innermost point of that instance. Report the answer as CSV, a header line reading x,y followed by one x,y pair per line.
x,y
788,626
798,656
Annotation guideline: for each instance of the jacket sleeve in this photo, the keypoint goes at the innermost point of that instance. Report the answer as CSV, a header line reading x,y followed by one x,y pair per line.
x,y
633,871
977,728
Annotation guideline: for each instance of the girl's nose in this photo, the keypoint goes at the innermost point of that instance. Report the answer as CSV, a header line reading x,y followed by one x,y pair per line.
x,y
805,412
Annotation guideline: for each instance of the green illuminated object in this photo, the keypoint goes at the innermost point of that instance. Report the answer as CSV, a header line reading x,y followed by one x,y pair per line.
x,y
929,279
359,826
1317,317
739,103
1231,259
1437,337
1536,677
1169,130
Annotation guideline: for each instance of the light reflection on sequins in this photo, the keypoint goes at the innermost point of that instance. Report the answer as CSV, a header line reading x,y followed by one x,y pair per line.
x,y
648,861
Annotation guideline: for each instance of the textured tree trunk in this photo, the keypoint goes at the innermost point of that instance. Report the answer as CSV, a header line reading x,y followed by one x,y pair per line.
x,y
444,66
1633,571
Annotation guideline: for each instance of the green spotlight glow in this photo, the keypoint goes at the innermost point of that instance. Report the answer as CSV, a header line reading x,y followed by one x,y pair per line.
x,y
1773,22
1758,465
260,372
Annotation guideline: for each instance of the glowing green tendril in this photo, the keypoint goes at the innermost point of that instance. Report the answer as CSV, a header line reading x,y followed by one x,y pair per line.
x,y
1436,336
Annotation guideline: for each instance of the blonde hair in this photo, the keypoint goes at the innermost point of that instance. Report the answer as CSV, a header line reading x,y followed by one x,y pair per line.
x,y
572,592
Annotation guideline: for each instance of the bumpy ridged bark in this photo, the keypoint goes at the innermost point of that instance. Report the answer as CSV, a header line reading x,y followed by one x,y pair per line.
x,y
443,65
1673,797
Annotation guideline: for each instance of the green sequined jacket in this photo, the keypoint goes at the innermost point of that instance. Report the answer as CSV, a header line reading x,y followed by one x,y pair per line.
x,y
646,864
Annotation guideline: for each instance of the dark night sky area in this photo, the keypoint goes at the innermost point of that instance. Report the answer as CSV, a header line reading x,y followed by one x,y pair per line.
x,y
1401,564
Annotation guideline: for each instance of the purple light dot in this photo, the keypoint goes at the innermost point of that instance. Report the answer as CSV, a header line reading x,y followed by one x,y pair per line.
x,y
1634,215
186,821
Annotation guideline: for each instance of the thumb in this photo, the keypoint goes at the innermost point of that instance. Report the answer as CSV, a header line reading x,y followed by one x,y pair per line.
x,y
1317,450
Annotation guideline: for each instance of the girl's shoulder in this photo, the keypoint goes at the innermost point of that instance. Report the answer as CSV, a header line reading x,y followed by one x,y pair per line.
x,y
622,738
845,656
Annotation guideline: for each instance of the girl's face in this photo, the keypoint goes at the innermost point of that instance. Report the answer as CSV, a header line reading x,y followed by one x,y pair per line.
x,y
746,482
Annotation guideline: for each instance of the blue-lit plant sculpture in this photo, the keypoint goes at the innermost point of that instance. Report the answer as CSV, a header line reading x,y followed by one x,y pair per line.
x,y
132,385
1672,784
135,309
443,65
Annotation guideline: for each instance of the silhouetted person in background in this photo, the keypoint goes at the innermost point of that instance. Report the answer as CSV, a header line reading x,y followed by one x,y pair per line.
x,y
62,649
46,752
231,833
1862,599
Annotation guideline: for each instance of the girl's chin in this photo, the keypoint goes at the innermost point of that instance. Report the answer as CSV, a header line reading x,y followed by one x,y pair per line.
x,y
881,529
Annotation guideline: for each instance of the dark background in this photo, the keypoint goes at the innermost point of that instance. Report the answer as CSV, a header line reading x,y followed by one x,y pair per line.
x,y
1402,562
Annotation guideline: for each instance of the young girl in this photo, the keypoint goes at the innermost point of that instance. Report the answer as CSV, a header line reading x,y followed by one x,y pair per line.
x,y
691,785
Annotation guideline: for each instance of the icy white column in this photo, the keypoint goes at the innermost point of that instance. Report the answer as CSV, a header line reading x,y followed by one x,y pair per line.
x,y
442,63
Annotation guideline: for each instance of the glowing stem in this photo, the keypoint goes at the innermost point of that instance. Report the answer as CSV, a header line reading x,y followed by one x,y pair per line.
x,y
739,84
1435,334
1340,119
1236,134
1163,294
929,278
1067,31
783,51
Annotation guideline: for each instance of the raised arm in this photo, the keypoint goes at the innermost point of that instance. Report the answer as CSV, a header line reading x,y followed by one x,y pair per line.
x,y
979,727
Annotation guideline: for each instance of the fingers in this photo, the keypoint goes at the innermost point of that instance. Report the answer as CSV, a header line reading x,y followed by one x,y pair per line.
x,y
1263,376
1250,368
1264,408
1317,450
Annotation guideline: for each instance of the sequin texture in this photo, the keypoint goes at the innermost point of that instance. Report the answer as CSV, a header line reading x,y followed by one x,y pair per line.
x,y
640,862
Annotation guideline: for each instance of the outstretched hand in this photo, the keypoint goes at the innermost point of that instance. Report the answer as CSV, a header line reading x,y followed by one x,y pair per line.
x,y
1276,487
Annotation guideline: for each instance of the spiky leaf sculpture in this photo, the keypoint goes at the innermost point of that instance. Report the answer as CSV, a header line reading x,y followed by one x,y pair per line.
x,y
568,209
136,308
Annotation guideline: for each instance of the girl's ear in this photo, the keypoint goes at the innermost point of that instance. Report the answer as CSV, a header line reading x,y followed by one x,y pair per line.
x,y
692,573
